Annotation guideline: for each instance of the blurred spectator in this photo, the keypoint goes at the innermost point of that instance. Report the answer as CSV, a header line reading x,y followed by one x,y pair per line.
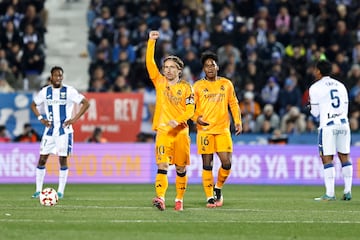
x,y
139,36
263,14
267,121
32,65
98,81
270,92
11,15
5,86
105,19
33,18
289,96
311,125
218,37
186,46
228,50
14,57
342,36
96,136
120,85
293,121
354,112
241,36
4,135
9,36
283,18
261,32
274,49
304,20
96,35
228,18
322,35
166,33
283,35
30,35
232,71
123,45
7,75
193,63
29,135
200,35
250,110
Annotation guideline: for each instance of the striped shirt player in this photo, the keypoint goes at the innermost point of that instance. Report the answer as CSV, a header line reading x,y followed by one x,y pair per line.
x,y
57,101
329,102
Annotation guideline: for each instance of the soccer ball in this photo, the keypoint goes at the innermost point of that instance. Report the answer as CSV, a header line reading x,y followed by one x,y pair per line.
x,y
48,197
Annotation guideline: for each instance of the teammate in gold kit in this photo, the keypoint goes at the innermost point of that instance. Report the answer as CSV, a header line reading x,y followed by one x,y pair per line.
x,y
213,96
174,106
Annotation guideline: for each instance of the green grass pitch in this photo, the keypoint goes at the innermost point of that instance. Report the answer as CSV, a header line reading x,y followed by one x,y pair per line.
x,y
124,211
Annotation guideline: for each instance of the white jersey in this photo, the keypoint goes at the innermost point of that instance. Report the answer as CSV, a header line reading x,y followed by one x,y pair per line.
x,y
58,105
329,101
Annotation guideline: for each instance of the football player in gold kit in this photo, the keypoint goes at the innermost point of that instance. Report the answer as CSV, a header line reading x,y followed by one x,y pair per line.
x,y
213,96
174,106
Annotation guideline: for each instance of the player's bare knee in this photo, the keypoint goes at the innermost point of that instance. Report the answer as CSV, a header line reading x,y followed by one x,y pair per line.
x,y
42,162
180,169
226,166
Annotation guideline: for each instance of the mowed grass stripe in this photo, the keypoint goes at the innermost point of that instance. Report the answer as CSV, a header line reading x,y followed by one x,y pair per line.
x,y
124,211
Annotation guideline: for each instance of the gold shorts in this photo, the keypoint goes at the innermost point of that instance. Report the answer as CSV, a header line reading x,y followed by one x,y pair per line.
x,y
212,143
173,149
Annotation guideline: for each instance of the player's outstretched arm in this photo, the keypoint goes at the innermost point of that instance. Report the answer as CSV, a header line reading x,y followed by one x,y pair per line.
x,y
150,51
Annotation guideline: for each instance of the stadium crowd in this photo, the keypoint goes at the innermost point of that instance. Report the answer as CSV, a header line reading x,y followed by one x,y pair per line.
x,y
266,47
22,43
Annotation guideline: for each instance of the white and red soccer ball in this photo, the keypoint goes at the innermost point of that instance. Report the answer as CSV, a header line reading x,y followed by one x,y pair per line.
x,y
48,197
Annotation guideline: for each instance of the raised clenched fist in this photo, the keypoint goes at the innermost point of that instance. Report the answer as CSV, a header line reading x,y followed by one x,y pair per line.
x,y
154,35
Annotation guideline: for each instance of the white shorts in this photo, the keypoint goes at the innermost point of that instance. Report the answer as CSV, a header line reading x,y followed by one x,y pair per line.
x,y
334,138
61,145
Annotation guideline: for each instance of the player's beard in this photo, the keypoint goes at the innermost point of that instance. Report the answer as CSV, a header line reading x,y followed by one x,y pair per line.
x,y
57,84
170,76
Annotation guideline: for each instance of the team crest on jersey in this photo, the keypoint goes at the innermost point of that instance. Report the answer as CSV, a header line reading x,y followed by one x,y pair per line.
x,y
179,92
205,90
222,88
62,95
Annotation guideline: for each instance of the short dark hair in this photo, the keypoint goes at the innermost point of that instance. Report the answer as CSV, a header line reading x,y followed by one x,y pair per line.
x,y
206,55
56,68
324,67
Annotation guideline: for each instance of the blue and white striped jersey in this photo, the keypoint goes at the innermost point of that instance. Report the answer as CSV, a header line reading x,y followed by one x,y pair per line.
x,y
58,104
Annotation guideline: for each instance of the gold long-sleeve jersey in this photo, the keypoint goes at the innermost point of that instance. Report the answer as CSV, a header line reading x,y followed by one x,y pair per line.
x,y
212,102
175,102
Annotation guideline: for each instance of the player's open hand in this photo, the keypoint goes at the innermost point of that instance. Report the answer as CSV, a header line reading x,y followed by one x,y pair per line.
x,y
154,35
46,122
68,122
238,129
